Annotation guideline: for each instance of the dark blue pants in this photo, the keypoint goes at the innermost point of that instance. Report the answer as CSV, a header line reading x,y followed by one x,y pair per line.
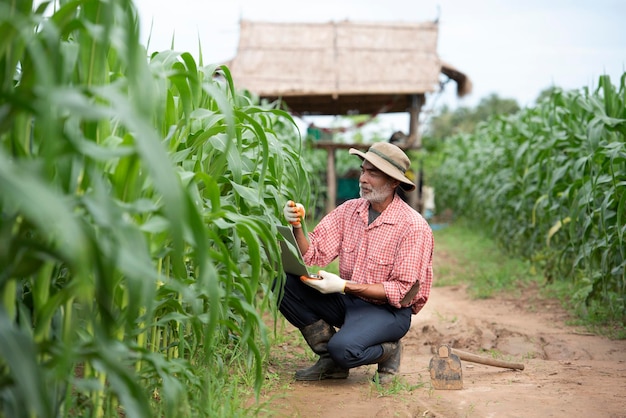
x,y
363,326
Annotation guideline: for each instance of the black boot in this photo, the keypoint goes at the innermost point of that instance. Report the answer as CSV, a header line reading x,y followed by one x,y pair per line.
x,y
389,362
317,336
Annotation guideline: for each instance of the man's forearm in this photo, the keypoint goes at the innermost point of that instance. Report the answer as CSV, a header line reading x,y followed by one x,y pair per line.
x,y
301,239
374,291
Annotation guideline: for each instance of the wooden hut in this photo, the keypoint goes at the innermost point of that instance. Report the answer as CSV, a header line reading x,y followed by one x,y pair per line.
x,y
343,68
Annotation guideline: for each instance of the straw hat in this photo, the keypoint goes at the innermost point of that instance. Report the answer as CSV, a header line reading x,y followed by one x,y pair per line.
x,y
389,159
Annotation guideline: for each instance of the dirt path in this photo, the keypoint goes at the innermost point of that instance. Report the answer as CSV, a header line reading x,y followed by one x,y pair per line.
x,y
567,372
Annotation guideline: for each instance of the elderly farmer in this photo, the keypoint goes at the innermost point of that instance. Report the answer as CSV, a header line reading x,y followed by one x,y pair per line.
x,y
385,251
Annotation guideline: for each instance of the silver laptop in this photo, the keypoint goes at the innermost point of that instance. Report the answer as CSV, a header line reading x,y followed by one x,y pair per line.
x,y
290,254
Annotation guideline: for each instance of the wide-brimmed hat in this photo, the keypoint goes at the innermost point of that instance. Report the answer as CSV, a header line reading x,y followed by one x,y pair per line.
x,y
389,159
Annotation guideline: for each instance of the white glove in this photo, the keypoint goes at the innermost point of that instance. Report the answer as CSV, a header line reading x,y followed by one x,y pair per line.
x,y
294,213
326,283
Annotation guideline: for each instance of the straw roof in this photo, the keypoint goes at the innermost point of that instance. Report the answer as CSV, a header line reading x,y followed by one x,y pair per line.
x,y
342,67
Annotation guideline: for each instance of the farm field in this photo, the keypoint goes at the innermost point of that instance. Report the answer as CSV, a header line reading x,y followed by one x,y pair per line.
x,y
138,252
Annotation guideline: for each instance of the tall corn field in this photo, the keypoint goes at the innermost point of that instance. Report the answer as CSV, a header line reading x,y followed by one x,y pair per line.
x,y
551,183
137,200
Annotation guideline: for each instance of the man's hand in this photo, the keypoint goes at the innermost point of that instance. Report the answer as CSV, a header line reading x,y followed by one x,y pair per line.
x,y
294,213
327,282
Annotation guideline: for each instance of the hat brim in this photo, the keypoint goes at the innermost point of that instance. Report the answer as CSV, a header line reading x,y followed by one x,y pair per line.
x,y
385,167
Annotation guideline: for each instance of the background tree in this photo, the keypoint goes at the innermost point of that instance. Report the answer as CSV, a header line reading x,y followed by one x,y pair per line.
x,y
447,122
546,94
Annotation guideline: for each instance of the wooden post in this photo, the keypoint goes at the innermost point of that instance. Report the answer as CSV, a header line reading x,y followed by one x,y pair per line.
x,y
331,180
331,172
415,140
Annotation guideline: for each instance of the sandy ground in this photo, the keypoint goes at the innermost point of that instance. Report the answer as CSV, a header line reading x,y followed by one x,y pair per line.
x,y
567,372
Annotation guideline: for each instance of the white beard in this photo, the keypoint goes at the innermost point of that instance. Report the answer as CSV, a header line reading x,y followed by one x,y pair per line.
x,y
376,195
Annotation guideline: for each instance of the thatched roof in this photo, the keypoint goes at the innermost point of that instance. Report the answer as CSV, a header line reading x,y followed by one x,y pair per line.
x,y
340,67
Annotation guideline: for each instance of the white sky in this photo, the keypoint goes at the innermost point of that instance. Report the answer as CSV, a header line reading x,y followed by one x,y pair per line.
x,y
514,48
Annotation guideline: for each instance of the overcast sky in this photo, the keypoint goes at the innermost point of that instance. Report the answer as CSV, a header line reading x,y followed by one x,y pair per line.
x,y
514,48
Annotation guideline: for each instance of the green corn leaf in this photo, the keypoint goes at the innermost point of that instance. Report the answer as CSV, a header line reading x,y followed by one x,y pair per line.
x,y
20,355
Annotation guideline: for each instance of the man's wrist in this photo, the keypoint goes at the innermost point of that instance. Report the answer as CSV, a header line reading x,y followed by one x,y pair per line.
x,y
347,286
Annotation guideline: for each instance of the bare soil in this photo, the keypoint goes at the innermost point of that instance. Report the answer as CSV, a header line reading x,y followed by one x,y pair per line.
x,y
568,372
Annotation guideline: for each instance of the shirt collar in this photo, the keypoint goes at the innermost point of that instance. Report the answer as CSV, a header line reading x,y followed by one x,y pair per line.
x,y
391,215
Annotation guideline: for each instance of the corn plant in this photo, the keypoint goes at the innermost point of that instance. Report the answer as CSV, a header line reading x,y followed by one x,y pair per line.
x,y
551,183
138,196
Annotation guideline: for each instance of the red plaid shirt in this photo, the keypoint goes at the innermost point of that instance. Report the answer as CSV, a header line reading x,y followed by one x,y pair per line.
x,y
396,249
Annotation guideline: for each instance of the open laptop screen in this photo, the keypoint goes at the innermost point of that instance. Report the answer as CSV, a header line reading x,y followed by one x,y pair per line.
x,y
290,253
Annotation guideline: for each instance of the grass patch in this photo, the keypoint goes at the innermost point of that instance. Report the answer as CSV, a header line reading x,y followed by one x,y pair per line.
x,y
464,254
467,255
592,317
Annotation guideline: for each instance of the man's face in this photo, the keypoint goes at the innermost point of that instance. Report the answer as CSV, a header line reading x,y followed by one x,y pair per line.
x,y
375,186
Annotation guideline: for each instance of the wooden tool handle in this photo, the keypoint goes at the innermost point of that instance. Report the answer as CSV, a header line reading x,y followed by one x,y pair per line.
x,y
487,360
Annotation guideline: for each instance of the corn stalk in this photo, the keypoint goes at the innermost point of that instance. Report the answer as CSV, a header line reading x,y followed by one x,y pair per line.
x,y
137,208
551,183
